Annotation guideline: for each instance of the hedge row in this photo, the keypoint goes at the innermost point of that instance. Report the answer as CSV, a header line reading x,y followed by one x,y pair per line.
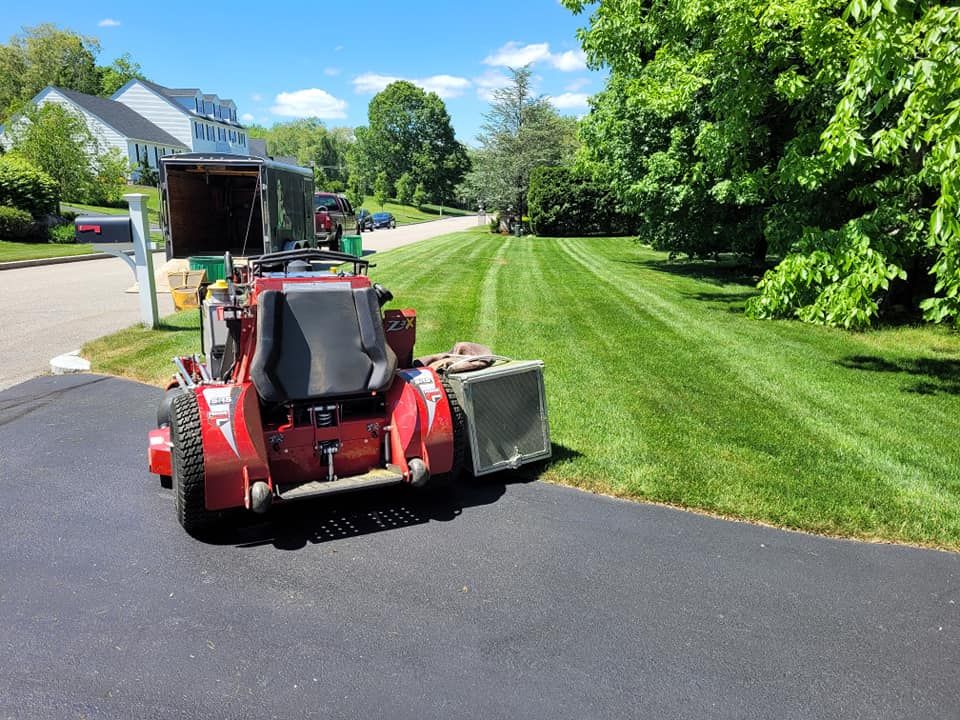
x,y
564,203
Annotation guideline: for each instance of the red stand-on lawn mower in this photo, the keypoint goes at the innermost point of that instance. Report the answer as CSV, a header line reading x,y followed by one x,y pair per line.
x,y
309,388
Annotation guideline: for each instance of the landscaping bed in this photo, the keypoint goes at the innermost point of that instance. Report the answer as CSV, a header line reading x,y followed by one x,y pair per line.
x,y
660,389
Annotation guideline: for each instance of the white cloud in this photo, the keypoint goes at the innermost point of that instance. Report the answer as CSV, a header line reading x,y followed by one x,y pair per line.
x,y
331,71
513,54
446,86
247,118
577,84
109,22
569,61
309,102
256,97
569,100
338,48
488,82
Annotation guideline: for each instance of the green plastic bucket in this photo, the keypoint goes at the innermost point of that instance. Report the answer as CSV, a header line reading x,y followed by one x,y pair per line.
x,y
213,264
352,245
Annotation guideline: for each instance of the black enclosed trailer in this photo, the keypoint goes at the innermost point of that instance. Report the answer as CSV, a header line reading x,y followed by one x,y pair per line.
x,y
248,205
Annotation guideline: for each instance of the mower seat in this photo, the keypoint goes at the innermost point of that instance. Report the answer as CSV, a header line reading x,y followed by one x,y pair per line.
x,y
320,340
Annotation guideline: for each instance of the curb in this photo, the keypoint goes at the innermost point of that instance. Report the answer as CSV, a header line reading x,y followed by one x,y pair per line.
x,y
67,363
15,264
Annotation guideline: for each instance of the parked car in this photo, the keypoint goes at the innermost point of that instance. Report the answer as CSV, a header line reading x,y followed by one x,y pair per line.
x,y
365,220
333,218
384,220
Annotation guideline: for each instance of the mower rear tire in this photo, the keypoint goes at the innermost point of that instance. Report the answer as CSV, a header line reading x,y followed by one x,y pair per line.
x,y
187,464
459,440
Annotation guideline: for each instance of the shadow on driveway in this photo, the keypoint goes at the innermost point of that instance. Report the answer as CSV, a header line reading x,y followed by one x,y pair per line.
x,y
309,522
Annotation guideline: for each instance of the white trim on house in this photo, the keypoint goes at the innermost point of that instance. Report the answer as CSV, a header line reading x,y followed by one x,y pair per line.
x,y
201,132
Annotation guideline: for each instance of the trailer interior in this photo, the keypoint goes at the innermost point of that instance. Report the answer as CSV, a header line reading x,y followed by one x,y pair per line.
x,y
211,209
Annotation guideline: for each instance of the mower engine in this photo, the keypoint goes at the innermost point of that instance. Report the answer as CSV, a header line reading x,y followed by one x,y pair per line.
x,y
308,389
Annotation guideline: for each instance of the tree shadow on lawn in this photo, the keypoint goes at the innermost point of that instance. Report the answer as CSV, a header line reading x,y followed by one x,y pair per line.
x,y
715,272
934,375
311,522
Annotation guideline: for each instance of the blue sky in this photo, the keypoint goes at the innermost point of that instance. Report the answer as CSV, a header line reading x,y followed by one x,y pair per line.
x,y
283,60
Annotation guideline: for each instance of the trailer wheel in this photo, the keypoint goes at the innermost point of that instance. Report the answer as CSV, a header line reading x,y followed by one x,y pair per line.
x,y
187,462
459,440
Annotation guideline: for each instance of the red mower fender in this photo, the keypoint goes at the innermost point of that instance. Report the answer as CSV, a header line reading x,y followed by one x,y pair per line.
x,y
234,452
422,426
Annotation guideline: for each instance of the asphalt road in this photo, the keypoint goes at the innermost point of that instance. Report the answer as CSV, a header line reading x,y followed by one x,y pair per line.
x,y
506,599
52,309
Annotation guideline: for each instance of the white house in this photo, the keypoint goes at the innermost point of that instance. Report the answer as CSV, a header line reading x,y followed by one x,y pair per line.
x,y
116,125
201,121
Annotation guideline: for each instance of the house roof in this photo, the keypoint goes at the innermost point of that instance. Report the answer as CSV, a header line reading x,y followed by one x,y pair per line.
x,y
172,93
125,121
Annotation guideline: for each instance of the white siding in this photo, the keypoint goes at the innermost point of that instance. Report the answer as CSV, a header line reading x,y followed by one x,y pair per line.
x,y
158,111
104,133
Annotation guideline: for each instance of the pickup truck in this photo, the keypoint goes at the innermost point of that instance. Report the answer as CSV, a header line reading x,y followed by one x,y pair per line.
x,y
333,218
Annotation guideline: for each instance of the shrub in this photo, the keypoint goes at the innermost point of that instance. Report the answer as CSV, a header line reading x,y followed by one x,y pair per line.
x,y
24,186
563,202
15,224
419,195
63,234
404,188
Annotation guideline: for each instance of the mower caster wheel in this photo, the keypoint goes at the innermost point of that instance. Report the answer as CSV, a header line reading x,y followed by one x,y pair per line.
x,y
419,474
187,463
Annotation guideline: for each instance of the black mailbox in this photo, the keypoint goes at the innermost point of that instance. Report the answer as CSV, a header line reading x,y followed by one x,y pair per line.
x,y
103,229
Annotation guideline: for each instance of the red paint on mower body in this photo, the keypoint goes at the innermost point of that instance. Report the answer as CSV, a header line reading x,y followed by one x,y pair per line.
x,y
253,445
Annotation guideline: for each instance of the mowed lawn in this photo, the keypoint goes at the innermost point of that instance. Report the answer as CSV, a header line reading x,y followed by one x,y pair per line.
x,y
11,251
407,214
660,389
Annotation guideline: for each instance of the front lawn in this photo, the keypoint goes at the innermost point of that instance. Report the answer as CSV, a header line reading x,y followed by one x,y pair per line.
x,y
407,214
11,251
660,389
153,204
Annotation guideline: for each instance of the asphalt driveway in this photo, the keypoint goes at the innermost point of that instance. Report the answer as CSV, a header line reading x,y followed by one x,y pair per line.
x,y
503,599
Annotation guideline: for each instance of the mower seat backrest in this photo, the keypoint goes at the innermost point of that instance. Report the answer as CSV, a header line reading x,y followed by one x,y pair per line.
x,y
319,340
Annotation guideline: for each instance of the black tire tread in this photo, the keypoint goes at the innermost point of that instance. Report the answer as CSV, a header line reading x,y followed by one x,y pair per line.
x,y
188,469
459,437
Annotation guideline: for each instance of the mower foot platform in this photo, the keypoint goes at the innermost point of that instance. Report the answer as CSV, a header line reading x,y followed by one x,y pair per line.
x,y
380,477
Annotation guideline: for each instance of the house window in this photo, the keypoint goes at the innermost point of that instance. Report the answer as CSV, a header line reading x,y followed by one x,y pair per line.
x,y
209,132
137,148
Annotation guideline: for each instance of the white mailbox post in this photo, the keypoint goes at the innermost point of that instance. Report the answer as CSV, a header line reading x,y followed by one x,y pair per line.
x,y
143,258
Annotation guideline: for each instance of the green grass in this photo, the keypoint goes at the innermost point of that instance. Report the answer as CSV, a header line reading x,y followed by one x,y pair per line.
x,y
11,251
153,204
660,389
407,214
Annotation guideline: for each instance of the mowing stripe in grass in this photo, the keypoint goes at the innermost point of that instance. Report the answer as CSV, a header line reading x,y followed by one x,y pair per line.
x,y
658,386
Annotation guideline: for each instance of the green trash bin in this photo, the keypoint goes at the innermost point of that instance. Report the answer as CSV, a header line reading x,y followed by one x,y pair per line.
x,y
352,245
213,264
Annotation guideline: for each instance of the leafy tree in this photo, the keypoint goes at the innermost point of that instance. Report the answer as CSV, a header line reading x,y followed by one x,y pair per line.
x,y
112,168
404,188
381,189
409,131
58,141
312,144
118,73
419,195
521,131
46,55
824,131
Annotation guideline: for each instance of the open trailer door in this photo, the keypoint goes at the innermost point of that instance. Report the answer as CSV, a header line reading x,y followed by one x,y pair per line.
x,y
214,203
